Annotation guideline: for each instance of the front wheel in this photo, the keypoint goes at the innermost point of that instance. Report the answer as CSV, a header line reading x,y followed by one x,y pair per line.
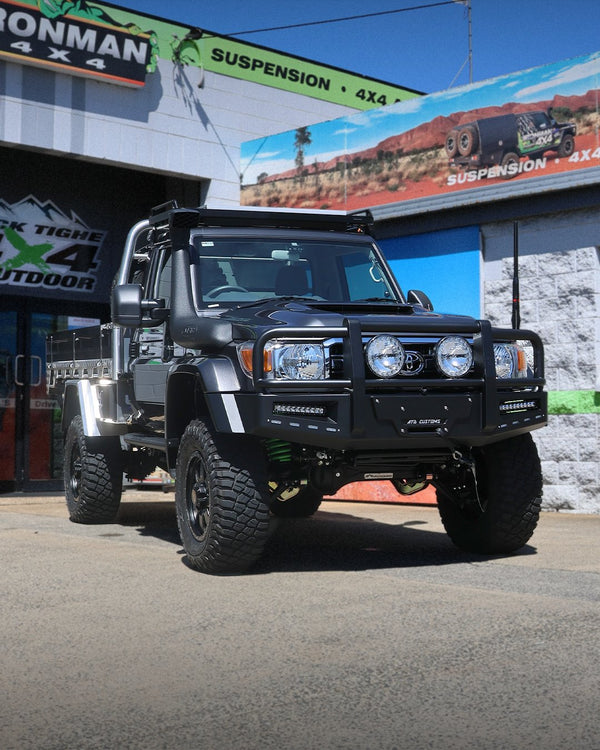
x,y
503,514
93,474
220,488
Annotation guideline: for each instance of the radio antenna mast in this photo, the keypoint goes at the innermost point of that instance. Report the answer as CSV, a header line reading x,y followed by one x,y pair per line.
x,y
516,301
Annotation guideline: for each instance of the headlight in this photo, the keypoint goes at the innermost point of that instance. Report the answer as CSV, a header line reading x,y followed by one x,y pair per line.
x,y
300,360
454,356
385,356
304,360
510,361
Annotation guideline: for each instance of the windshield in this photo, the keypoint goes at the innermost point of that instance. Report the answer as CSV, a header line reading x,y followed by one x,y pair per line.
x,y
245,270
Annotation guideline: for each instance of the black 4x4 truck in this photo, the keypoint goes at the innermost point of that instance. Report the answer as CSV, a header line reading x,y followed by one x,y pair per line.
x,y
267,358
502,140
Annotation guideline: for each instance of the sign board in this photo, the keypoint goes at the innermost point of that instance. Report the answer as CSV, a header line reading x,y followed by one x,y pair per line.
x,y
45,251
500,133
271,68
84,40
116,44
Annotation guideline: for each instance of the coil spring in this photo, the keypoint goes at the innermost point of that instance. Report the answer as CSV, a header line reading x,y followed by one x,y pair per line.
x,y
278,450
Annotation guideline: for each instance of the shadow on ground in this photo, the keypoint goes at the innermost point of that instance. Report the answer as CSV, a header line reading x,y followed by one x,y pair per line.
x,y
154,519
329,540
340,541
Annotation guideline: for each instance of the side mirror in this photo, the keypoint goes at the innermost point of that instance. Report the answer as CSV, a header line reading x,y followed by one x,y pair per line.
x,y
129,310
416,297
126,305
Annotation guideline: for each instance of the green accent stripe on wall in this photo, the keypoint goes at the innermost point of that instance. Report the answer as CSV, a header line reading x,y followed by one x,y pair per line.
x,y
574,402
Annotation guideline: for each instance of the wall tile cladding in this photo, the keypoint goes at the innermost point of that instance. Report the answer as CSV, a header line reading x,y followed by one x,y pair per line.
x,y
560,299
568,449
559,275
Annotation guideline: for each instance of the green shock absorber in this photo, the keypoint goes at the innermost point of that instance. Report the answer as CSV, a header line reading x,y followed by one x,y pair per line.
x,y
278,451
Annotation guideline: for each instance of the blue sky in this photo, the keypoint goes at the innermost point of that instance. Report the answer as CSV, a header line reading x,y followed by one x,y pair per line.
x,y
422,49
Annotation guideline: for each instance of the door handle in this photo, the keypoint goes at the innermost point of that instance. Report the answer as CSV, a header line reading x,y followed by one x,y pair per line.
x,y
38,360
18,359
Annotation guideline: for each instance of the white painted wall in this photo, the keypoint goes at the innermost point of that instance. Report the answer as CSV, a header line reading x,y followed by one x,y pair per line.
x,y
169,126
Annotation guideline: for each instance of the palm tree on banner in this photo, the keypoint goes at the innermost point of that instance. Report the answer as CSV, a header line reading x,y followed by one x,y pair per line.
x,y
302,140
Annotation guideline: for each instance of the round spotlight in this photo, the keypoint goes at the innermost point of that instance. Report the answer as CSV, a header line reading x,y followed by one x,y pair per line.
x,y
454,356
385,356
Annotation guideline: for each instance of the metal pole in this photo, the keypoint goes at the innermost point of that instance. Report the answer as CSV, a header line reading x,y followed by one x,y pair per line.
x,y
467,4
470,42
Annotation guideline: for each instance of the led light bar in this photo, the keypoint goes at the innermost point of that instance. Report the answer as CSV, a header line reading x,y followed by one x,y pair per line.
x,y
295,409
519,406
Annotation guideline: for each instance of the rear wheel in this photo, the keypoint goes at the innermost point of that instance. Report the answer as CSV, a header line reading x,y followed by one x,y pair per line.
x,y
220,488
567,146
510,162
502,515
93,474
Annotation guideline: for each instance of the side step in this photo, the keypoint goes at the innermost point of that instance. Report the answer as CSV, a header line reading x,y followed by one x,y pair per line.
x,y
154,442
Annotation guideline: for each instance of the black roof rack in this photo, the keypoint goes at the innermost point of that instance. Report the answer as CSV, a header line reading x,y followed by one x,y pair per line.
x,y
170,213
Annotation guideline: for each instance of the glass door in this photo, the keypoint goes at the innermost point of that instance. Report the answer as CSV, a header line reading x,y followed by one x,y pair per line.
x,y
8,399
43,449
31,452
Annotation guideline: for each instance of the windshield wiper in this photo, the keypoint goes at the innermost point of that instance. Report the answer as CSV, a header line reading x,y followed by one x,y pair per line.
x,y
277,300
379,299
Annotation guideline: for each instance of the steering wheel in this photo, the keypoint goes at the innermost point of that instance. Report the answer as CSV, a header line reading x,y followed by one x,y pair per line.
x,y
225,288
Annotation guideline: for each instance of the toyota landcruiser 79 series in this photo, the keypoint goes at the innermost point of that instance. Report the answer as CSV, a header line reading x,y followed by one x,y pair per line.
x,y
266,358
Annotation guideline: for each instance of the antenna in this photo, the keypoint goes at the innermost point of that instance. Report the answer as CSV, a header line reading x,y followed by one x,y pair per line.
x,y
467,4
516,301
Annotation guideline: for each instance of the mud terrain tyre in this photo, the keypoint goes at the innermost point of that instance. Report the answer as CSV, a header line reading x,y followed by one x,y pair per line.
x,y
452,143
220,487
567,146
509,479
302,505
93,474
467,141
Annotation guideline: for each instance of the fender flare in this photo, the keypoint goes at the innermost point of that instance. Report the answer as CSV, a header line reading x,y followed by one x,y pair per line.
x,y
204,387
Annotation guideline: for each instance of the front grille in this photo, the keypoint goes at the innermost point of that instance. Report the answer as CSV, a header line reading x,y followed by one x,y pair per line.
x,y
420,360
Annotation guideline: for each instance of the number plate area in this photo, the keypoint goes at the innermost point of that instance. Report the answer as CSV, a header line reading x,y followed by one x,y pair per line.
x,y
428,413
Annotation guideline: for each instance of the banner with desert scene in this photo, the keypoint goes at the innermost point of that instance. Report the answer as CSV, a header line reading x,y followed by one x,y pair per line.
x,y
534,123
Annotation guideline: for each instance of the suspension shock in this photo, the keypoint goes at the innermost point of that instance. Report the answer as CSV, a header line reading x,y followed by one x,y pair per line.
x,y
278,451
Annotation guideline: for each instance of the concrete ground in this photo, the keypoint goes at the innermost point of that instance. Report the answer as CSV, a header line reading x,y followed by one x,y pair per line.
x,y
362,627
